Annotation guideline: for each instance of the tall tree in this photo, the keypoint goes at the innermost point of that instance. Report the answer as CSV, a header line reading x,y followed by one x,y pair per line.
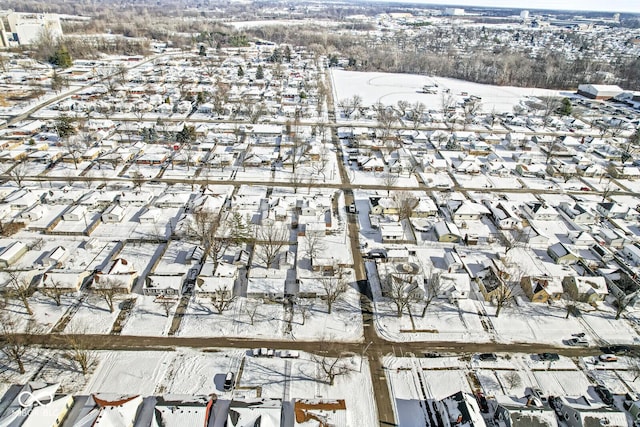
x,y
259,73
271,238
334,288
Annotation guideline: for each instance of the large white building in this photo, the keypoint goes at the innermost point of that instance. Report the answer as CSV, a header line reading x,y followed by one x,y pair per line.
x,y
25,28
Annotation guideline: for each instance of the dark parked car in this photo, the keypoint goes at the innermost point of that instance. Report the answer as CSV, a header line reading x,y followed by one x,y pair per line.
x,y
552,357
616,349
487,357
228,381
377,254
604,394
482,402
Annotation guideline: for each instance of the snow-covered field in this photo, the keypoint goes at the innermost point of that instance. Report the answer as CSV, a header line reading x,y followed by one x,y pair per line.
x,y
389,88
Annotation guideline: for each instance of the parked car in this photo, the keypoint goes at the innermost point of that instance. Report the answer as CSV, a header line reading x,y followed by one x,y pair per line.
x,y
604,394
536,392
352,208
289,354
616,349
228,381
551,357
578,342
262,352
482,402
608,358
487,357
377,254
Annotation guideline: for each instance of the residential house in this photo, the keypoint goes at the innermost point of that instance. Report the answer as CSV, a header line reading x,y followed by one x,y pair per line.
x,y
113,214
502,215
632,253
489,283
391,232
447,232
165,285
577,213
119,275
75,213
55,257
466,211
454,286
612,237
589,289
12,253
541,288
612,210
562,254
524,411
540,211
424,209
63,281
583,412
34,213
531,235
460,409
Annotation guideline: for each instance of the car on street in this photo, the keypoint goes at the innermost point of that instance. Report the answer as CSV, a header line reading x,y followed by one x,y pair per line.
x,y
550,357
487,357
578,342
608,358
604,394
616,349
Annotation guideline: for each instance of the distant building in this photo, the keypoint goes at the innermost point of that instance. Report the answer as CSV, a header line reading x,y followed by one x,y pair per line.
x,y
453,11
25,28
524,14
599,91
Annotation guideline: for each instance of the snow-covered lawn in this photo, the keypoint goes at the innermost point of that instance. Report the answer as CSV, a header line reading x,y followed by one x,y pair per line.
x,y
343,324
389,88
148,318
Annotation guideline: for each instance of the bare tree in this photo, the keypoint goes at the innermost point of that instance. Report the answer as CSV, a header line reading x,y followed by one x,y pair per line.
x,y
271,238
137,179
313,246
334,288
350,105
403,108
570,297
166,303
330,368
108,289
620,303
630,146
417,113
251,309
53,289
512,379
471,108
222,298
305,310
386,117
402,290
405,204
78,350
507,290
13,347
19,172
19,287
204,226
432,288
389,180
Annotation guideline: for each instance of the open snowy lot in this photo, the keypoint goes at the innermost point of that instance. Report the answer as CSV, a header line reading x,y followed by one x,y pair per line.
x,y
389,88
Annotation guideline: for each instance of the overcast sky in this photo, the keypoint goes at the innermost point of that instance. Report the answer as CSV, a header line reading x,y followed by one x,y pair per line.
x,y
607,6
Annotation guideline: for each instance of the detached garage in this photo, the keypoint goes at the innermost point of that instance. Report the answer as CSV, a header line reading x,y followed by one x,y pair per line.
x,y
599,91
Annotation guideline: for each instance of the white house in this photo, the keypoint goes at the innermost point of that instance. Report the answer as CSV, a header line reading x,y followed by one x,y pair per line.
x,y
114,213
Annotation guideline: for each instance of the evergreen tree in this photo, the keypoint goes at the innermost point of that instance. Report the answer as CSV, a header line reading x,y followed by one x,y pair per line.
x,y
240,71
61,57
259,73
203,50
187,135
287,53
239,230
566,107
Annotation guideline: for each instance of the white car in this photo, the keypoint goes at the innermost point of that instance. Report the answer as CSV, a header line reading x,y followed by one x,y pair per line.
x,y
262,352
289,354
